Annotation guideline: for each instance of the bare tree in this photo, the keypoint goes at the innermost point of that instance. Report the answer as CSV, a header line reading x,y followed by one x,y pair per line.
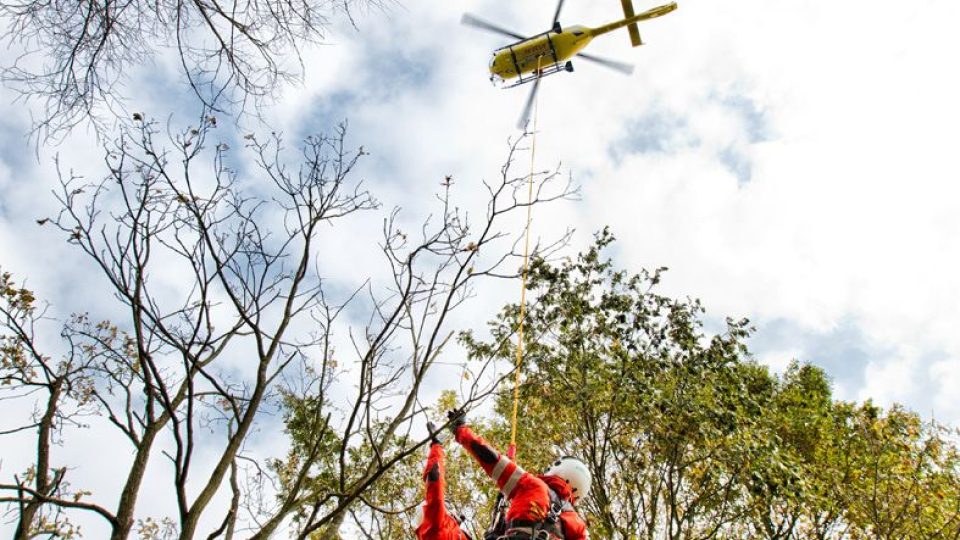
x,y
76,53
431,275
255,328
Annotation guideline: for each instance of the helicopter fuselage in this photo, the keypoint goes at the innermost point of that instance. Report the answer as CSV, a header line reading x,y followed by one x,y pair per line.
x,y
546,53
538,52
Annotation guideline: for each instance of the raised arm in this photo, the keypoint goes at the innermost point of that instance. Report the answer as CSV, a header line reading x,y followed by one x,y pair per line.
x,y
507,474
433,508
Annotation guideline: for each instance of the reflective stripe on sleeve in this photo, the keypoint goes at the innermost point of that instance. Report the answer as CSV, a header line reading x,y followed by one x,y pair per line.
x,y
511,483
499,468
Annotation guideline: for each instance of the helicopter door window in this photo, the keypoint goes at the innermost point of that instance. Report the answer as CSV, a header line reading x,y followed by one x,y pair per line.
x,y
578,33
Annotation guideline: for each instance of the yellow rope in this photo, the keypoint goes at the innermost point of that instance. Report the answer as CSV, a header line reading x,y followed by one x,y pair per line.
x,y
523,275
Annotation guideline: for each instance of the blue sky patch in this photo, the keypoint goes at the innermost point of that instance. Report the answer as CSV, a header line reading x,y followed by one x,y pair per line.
x,y
656,131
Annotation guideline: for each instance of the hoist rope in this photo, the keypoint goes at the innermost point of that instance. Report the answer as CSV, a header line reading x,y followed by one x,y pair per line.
x,y
512,450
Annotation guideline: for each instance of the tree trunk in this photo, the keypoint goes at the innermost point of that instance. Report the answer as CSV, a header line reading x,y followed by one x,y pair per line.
x,y
128,498
42,484
332,530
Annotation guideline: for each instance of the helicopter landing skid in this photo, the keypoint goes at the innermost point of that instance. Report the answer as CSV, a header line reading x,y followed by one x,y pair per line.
x,y
549,70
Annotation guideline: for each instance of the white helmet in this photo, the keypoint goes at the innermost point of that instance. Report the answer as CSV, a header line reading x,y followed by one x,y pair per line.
x,y
574,472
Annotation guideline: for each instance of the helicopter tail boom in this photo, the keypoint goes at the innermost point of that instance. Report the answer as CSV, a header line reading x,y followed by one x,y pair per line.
x,y
658,11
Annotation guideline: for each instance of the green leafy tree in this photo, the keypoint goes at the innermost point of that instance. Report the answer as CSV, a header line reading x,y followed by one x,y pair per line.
x,y
687,437
795,424
903,475
627,380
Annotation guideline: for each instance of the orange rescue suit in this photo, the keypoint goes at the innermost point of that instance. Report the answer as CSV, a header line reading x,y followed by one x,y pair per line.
x,y
529,495
437,523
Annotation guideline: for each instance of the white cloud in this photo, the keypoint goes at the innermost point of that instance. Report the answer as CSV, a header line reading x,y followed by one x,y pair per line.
x,y
946,406
779,360
892,379
850,208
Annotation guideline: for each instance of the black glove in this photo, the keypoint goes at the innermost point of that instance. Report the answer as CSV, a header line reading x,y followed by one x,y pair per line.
x,y
432,429
457,419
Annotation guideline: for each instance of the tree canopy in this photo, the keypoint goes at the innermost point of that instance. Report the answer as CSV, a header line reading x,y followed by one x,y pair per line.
x,y
687,436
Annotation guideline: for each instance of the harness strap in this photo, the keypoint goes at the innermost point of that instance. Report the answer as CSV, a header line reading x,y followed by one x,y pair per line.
x,y
521,524
529,533
549,527
558,505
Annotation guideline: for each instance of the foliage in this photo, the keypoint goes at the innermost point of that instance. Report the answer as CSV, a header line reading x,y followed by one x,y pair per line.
x,y
688,437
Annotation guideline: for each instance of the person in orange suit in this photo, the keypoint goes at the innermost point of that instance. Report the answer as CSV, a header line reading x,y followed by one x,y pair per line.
x,y
436,521
541,506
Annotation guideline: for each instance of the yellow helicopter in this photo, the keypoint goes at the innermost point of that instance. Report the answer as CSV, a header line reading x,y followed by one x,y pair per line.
x,y
532,58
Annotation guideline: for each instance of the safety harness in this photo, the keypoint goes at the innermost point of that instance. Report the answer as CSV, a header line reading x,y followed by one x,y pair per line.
x,y
549,528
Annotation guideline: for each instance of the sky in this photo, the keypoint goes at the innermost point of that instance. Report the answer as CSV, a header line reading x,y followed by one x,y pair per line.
x,y
794,162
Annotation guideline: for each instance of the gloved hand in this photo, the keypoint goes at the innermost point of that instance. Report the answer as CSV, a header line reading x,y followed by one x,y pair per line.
x,y
457,419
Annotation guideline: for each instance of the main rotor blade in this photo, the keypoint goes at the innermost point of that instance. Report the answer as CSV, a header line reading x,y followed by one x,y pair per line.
x,y
525,115
556,15
622,67
476,22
